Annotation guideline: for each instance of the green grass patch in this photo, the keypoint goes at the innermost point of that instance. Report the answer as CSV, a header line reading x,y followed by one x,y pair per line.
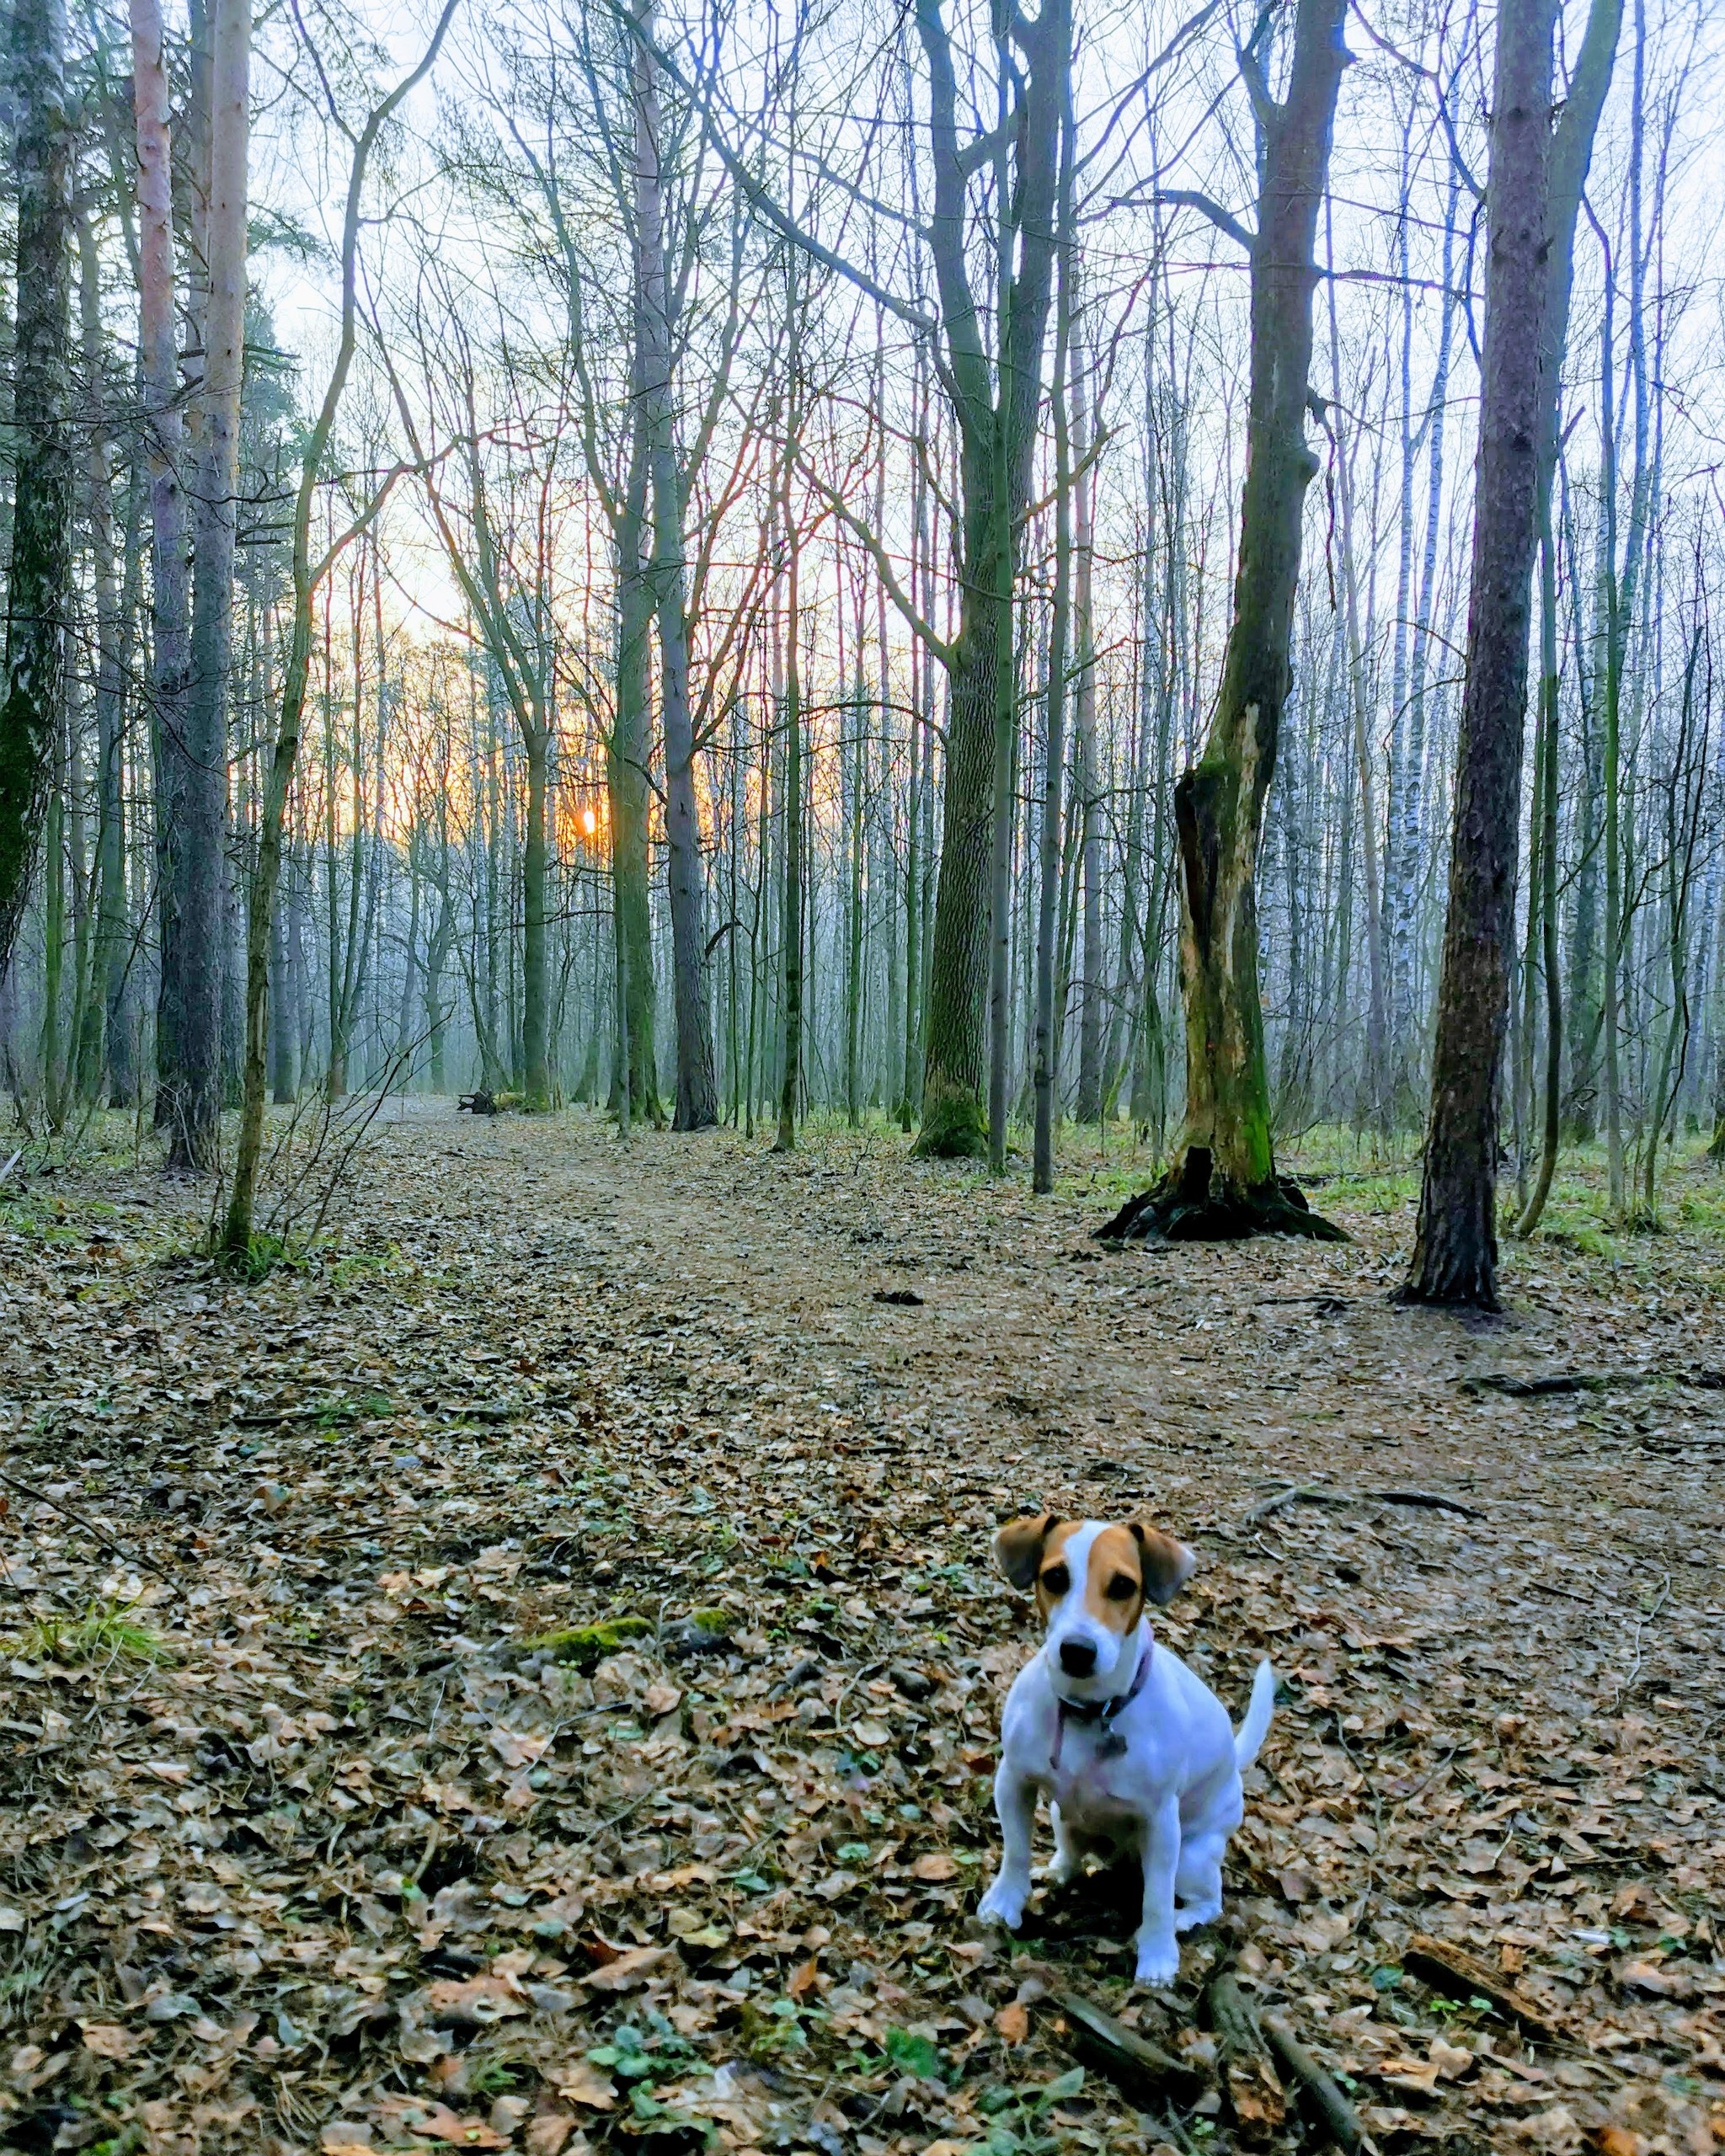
x,y
584,1647
105,1632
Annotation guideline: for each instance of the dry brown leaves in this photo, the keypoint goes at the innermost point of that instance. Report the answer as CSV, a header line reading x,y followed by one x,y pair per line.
x,y
347,1868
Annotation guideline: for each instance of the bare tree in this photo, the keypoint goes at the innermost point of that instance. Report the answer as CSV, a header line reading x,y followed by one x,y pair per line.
x,y
38,588
1455,1241
1223,1181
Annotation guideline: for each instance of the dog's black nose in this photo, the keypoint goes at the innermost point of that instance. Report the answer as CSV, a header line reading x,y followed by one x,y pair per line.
x,y
1078,1658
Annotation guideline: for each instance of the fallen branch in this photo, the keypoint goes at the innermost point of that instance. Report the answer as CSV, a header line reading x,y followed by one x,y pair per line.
x,y
1461,1975
103,1541
1305,1493
1430,1498
1296,1493
1339,2117
1137,2066
1249,2079
1534,1388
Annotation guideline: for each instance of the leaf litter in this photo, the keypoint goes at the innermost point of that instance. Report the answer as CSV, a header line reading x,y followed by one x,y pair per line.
x,y
548,1701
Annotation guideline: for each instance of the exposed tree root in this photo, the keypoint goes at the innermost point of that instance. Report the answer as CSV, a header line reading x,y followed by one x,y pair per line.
x,y
1193,1205
953,1125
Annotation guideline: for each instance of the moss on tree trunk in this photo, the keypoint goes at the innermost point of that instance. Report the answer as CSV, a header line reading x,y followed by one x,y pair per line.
x,y
1223,1183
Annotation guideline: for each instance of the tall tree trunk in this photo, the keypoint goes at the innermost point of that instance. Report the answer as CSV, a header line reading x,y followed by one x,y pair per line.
x,y
627,769
791,929
37,587
1456,1243
1044,1072
1223,1181
1377,1020
107,1003
535,1009
1093,985
1571,153
996,423
199,748
697,1100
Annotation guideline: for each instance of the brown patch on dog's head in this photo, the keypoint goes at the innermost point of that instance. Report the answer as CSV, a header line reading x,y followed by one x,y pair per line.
x,y
1114,1582
1168,1564
1018,1546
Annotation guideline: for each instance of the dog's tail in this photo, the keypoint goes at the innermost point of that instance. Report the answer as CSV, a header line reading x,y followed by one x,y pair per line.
x,y
1259,1708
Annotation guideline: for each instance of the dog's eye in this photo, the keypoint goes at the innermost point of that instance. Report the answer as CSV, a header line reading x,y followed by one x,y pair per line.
x,y
1121,1587
1057,1579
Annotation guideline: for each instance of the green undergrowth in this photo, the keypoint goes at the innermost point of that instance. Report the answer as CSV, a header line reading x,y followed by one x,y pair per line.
x,y
583,1647
105,1632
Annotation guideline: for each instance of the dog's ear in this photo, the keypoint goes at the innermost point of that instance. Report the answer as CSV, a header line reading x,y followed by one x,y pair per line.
x,y
1168,1564
1017,1547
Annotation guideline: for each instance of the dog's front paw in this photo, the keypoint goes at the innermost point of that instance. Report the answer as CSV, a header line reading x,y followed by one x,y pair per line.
x,y
1195,1913
1158,1961
1059,1871
1003,1903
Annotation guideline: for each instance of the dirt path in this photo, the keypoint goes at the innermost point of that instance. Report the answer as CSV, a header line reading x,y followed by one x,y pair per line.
x,y
311,1850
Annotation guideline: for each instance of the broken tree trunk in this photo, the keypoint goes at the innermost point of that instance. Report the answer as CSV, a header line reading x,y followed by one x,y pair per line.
x,y
1223,1184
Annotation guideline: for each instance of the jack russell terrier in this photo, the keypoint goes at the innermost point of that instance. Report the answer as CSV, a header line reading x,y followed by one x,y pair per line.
x,y
1130,1747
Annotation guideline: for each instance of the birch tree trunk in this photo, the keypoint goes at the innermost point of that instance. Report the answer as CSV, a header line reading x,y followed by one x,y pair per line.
x,y
38,588
1456,1243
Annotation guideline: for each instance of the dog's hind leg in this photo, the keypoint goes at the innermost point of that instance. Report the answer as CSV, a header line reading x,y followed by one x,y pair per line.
x,y
1015,1806
1204,1843
1198,1879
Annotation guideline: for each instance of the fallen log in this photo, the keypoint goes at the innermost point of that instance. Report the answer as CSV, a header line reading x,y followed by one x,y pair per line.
x,y
1430,1498
1139,2068
1340,2120
1458,1974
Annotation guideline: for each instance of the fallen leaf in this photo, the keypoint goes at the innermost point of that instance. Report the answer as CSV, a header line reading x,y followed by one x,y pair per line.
x,y
108,2040
1013,2023
630,1968
582,2083
476,2001
1412,2076
440,2123
935,1866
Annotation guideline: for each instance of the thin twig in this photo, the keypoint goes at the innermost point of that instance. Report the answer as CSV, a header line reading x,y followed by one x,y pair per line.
x,y
106,1541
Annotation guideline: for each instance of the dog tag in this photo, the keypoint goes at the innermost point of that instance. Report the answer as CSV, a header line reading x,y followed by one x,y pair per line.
x,y
1111,1746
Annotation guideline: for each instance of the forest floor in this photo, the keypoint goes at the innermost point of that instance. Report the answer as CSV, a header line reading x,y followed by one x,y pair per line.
x,y
308,1849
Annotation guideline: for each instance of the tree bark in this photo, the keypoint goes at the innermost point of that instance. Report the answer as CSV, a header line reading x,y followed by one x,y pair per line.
x,y
1456,1244
627,776
1044,1072
32,693
194,743
696,1100
1223,1183
996,436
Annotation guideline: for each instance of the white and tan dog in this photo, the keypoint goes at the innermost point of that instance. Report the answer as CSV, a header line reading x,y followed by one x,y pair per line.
x,y
1131,1748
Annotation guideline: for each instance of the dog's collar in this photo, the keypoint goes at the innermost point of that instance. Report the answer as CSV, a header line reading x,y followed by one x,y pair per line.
x,y
1103,1711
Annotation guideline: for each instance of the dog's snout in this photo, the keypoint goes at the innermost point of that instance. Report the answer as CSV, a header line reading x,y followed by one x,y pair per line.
x,y
1077,1657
